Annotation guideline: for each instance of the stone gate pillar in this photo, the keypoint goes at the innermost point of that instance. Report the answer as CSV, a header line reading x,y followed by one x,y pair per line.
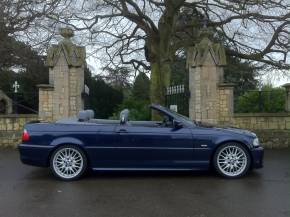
x,y
225,103
205,63
62,97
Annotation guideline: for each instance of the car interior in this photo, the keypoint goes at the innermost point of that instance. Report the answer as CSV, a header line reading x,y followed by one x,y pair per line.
x,y
88,116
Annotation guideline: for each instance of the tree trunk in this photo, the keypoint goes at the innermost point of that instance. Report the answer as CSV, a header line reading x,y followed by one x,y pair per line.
x,y
160,63
160,80
161,52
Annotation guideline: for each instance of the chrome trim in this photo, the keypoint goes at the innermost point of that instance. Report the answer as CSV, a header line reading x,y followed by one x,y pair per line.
x,y
34,146
106,147
142,169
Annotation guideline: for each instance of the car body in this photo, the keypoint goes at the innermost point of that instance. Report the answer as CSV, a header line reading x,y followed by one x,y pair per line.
x,y
176,143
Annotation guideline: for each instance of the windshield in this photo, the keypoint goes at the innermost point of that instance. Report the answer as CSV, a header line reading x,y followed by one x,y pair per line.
x,y
180,117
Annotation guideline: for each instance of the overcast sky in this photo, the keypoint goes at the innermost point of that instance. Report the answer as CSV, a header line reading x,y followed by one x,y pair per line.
x,y
263,35
94,54
274,78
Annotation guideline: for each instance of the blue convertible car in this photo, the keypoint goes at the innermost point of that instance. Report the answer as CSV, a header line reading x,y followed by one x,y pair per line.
x,y
70,147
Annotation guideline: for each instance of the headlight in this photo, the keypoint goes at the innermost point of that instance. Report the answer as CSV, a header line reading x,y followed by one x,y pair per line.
x,y
256,142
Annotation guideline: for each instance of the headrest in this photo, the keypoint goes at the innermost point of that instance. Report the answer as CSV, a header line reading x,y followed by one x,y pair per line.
x,y
91,113
83,116
124,116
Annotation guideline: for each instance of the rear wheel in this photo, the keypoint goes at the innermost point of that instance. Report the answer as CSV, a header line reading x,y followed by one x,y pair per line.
x,y
232,160
68,162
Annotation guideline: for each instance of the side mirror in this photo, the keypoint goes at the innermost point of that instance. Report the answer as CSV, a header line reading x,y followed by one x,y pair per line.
x,y
123,120
177,124
124,116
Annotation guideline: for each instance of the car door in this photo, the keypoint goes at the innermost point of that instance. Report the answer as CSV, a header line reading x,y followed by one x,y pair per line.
x,y
154,147
103,151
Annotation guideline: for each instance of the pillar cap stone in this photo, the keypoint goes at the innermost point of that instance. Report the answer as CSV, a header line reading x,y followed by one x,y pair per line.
x,y
66,32
227,85
75,56
197,55
45,86
206,32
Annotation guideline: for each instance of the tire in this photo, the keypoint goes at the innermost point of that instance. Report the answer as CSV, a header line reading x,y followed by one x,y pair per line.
x,y
232,160
68,162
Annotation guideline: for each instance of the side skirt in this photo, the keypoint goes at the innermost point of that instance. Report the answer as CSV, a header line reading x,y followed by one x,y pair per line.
x,y
144,169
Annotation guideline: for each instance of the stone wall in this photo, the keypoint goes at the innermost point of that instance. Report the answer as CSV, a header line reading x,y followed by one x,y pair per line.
x,y
273,129
270,121
274,138
11,127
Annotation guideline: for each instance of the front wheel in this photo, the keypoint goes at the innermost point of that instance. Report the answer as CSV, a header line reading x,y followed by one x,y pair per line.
x,y
68,162
232,160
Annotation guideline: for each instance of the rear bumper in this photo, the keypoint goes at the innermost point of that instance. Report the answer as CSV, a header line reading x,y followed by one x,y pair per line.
x,y
36,155
258,157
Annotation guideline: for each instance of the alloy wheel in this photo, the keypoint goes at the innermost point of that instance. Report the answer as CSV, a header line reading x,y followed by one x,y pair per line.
x,y
232,161
68,163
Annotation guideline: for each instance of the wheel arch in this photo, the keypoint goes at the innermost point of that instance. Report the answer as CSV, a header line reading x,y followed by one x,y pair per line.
x,y
230,141
72,143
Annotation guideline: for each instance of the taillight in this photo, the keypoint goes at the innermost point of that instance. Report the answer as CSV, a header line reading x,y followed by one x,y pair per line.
x,y
25,135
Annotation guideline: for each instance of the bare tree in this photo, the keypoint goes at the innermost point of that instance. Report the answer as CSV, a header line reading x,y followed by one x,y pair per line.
x,y
119,77
16,18
147,33
17,15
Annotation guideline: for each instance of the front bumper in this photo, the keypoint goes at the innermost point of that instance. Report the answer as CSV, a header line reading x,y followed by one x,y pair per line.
x,y
35,155
257,157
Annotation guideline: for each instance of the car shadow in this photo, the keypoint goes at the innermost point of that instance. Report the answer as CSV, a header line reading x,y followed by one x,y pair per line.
x,y
148,174
46,174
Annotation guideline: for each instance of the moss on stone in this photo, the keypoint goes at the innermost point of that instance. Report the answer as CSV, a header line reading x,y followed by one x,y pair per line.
x,y
197,54
74,55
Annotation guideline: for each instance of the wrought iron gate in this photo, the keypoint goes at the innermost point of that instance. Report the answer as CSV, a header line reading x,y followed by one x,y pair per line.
x,y
177,98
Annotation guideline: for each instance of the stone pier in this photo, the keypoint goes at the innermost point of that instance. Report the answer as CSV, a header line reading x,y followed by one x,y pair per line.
x,y
205,64
62,97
